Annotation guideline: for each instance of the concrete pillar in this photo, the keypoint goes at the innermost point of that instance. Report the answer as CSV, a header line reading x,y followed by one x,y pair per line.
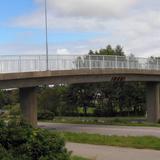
x,y
28,102
153,102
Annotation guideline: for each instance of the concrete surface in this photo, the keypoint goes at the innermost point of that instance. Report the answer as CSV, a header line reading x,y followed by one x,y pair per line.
x,y
30,79
96,152
33,79
28,103
153,101
104,129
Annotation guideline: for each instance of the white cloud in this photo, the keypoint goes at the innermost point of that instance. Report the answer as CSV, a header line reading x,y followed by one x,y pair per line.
x,y
75,14
132,23
62,51
90,8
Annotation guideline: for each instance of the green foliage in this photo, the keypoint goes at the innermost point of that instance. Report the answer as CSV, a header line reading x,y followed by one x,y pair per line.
x,y
8,98
120,121
146,142
105,99
80,95
4,155
11,112
21,141
52,99
118,50
15,110
120,99
46,115
78,158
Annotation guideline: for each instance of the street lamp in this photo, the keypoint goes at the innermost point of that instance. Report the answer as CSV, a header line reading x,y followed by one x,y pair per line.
x,y
46,28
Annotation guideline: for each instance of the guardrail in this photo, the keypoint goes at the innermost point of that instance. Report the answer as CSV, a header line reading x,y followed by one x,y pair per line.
x,y
29,63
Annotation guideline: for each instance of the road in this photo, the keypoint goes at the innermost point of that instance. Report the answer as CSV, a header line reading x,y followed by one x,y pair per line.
x,y
112,153
104,129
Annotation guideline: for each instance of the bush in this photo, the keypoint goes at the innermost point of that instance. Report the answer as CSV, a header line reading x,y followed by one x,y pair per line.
x,y
21,141
15,110
46,115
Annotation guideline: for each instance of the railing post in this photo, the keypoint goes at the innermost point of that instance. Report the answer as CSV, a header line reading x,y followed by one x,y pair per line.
x,y
19,64
103,66
1,66
39,68
35,61
78,65
128,63
90,64
116,62
57,63
148,65
157,64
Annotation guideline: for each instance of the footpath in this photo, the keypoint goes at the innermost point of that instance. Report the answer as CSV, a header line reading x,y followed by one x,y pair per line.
x,y
95,152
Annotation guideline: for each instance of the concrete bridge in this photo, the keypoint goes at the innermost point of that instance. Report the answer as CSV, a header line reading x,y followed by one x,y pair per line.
x,y
28,72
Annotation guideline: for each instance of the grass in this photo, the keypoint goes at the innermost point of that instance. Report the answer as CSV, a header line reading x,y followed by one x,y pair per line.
x,y
146,142
90,110
78,158
121,121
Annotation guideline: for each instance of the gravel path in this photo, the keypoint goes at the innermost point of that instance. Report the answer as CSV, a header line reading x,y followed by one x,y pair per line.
x,y
104,129
112,153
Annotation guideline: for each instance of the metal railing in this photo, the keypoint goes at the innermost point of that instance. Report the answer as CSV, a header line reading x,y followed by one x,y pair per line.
x,y
29,63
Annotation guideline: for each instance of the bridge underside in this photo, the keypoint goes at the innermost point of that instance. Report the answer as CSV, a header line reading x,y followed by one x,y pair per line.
x,y
27,83
28,102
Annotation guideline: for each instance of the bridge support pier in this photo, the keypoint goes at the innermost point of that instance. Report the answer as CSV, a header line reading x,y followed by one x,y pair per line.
x,y
153,102
28,102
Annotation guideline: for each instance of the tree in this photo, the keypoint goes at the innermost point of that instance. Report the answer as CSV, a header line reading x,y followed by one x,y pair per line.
x,y
118,50
80,95
107,98
111,98
52,99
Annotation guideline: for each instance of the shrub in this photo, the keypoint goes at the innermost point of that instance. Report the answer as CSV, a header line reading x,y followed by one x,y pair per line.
x,y
21,141
46,115
15,110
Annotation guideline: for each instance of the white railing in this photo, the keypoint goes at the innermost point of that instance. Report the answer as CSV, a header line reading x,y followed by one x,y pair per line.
x,y
29,63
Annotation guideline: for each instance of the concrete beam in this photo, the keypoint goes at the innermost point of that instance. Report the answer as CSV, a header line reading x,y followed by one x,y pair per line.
x,y
28,102
29,79
153,102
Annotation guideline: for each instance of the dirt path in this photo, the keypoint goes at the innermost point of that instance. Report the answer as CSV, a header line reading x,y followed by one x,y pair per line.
x,y
112,153
104,129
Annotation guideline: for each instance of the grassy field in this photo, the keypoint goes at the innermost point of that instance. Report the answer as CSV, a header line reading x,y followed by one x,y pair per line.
x,y
78,158
122,121
145,142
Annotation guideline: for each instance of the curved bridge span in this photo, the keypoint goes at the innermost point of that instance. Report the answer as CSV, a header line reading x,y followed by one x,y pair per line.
x,y
32,79
29,72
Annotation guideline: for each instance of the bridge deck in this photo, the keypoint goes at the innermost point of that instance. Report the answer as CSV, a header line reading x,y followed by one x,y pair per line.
x,y
28,71
29,79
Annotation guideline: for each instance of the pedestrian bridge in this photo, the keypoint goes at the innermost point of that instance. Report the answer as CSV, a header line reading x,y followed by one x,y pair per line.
x,y
30,71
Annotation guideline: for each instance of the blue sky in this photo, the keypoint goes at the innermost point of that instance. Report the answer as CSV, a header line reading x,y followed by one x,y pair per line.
x,y
11,34
76,26
10,10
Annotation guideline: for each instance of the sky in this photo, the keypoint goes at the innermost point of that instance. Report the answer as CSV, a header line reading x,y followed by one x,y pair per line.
x,y
76,26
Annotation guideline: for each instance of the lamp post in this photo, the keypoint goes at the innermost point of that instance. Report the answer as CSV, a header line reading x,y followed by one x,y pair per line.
x,y
46,29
